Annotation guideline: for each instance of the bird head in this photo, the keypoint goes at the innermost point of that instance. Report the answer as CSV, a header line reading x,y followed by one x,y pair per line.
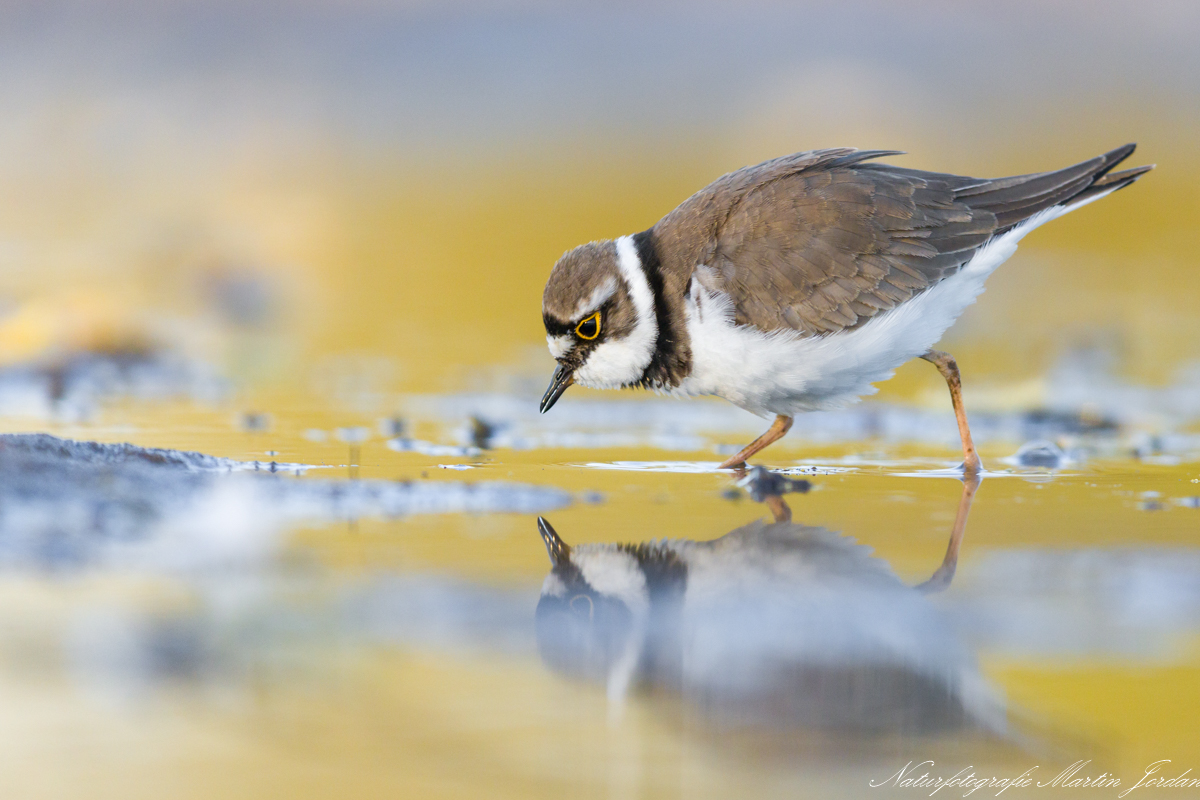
x,y
599,314
591,607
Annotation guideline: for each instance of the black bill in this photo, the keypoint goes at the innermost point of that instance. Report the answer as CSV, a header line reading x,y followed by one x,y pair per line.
x,y
563,377
555,546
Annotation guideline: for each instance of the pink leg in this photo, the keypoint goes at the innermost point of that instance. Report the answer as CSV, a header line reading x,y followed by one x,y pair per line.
x,y
778,428
949,369
941,579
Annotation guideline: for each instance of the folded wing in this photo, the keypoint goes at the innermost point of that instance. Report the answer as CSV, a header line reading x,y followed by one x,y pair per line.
x,y
820,242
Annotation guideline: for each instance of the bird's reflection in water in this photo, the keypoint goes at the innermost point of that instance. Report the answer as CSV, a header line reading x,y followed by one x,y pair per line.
x,y
774,623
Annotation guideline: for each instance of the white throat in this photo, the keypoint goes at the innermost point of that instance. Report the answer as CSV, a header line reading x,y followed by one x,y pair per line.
x,y
617,574
620,362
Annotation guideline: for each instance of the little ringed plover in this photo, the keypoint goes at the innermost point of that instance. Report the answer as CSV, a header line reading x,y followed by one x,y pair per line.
x,y
796,284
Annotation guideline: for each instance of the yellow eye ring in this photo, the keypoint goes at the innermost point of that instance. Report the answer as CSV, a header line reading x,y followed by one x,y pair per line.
x,y
589,328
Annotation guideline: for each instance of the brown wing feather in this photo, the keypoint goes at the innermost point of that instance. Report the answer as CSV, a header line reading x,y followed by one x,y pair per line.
x,y
819,242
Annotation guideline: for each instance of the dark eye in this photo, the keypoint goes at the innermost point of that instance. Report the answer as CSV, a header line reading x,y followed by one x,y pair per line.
x,y
590,328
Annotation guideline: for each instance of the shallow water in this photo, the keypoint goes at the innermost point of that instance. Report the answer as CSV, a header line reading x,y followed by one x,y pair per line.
x,y
234,631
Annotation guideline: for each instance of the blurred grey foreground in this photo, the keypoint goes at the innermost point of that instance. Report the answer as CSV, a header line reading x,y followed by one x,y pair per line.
x,y
68,503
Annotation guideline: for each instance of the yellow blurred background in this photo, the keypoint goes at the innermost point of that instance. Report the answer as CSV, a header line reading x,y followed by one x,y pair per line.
x,y
393,182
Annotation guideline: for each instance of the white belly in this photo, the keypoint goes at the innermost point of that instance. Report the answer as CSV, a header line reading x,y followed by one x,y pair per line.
x,y
783,372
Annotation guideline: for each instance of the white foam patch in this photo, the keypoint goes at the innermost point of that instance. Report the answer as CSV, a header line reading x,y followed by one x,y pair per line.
x,y
701,467
957,473
682,467
814,469
404,445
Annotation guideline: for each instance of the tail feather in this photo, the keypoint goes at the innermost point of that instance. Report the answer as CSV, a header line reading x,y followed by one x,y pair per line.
x,y
1017,198
1111,183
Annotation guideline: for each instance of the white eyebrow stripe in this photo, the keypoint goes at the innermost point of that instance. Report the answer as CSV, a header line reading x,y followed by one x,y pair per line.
x,y
599,297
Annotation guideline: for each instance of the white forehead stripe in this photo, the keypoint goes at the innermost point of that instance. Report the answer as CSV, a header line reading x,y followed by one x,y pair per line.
x,y
598,298
620,362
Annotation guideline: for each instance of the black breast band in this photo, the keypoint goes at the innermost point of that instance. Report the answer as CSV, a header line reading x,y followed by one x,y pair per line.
x,y
665,369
